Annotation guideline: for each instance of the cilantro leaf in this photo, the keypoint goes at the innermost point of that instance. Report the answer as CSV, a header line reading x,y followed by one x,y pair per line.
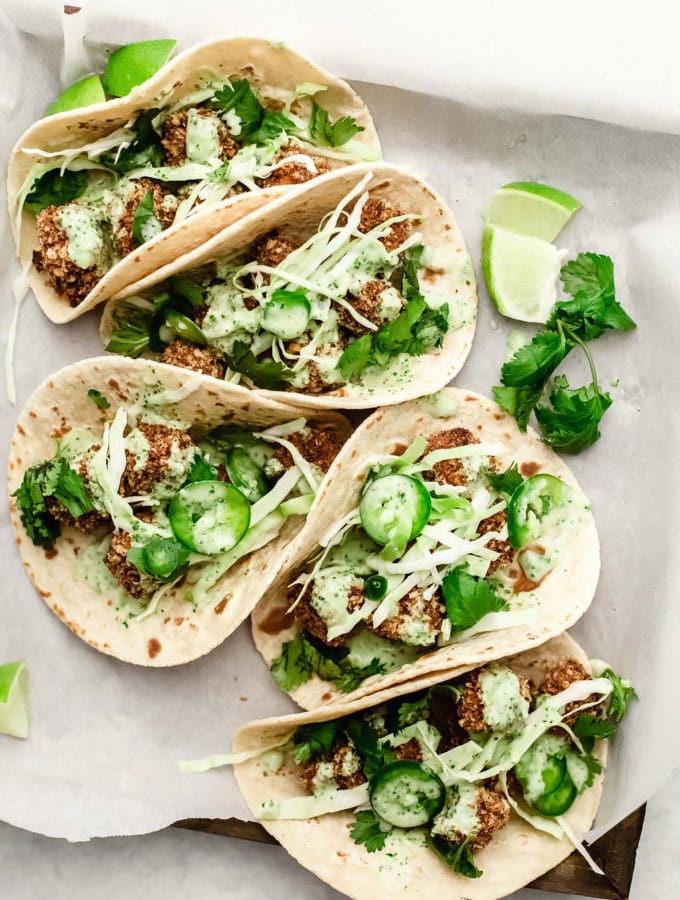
x,y
468,599
413,331
270,127
263,373
374,754
258,125
145,225
413,711
300,659
322,131
186,289
456,856
98,398
55,188
201,470
504,483
594,768
589,728
535,362
145,149
130,336
594,308
51,478
571,421
411,262
314,740
367,830
621,696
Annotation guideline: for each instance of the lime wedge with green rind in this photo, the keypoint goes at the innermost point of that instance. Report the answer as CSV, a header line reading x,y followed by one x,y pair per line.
x,y
14,699
521,273
85,92
134,63
527,207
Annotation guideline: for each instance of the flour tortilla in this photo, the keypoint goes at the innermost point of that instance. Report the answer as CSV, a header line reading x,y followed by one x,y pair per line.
x,y
515,856
563,596
175,633
274,70
296,216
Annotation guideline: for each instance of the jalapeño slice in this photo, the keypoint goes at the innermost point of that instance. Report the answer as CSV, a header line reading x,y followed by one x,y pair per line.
x,y
406,794
530,504
209,517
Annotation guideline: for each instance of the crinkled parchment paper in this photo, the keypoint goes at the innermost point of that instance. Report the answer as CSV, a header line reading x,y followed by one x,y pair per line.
x,y
100,759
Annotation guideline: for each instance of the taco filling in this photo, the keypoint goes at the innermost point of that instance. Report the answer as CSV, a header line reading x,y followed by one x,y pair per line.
x,y
441,547
351,303
451,766
97,203
169,506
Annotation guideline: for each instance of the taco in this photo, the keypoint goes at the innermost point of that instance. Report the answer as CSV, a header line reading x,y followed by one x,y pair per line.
x,y
465,784
354,291
152,509
443,537
102,196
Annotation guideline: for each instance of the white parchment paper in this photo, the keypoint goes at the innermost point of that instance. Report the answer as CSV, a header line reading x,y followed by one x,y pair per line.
x,y
100,759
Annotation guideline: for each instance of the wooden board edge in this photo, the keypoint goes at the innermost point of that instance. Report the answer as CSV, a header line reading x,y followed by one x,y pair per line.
x,y
614,852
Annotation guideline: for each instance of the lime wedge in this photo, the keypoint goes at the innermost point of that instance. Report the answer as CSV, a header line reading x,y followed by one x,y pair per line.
x,y
134,63
85,92
520,273
527,207
14,699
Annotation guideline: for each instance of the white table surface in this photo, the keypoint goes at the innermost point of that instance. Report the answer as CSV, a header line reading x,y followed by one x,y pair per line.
x,y
176,864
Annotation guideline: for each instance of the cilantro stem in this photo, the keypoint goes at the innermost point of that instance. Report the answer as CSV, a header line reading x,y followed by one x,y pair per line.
x,y
571,334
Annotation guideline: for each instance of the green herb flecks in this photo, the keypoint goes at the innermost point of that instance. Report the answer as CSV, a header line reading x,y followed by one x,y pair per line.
x,y
570,420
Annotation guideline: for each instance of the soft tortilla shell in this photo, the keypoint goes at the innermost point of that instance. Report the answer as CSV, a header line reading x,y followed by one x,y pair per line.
x,y
515,856
276,71
564,595
175,633
296,216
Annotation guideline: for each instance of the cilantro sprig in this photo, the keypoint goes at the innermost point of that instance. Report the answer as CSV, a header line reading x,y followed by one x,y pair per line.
x,y
330,134
571,417
414,330
368,830
258,125
300,659
51,478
